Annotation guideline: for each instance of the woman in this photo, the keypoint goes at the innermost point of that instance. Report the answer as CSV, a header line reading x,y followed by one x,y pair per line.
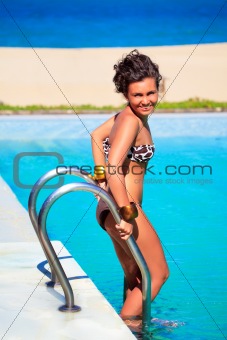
x,y
121,147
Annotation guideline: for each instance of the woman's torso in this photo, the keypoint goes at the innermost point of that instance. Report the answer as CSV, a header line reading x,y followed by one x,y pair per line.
x,y
135,163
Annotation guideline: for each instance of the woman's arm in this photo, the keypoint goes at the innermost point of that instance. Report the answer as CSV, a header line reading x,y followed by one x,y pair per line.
x,y
122,138
97,138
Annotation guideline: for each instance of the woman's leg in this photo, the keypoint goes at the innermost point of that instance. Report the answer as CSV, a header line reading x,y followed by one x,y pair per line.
x,y
151,248
129,265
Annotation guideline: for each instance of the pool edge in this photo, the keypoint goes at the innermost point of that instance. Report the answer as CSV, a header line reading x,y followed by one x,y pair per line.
x,y
25,299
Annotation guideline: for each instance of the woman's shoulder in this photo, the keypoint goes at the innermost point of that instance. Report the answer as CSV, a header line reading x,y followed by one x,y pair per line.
x,y
126,125
126,116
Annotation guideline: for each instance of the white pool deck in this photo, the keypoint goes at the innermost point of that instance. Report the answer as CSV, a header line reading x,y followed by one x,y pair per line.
x,y
28,308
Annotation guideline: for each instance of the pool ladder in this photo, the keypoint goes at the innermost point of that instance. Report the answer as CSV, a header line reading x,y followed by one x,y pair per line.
x,y
57,271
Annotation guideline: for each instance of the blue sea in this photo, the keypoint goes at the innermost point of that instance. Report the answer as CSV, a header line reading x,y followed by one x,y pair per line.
x,y
111,23
186,207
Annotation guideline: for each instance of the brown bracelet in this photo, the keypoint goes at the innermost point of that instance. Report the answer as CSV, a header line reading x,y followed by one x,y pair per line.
x,y
99,172
128,212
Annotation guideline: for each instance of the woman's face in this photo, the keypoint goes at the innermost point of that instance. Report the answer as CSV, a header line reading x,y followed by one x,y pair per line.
x,y
143,96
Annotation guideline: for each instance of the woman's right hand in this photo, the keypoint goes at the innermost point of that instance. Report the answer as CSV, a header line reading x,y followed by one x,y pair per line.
x,y
125,229
103,185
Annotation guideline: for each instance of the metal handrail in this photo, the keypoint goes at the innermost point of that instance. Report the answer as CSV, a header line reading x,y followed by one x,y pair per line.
x,y
42,181
146,280
39,223
32,209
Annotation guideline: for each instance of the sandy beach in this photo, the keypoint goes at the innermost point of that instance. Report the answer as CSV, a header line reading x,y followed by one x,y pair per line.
x,y
84,76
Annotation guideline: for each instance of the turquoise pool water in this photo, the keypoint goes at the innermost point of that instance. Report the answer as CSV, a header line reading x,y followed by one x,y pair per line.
x,y
187,208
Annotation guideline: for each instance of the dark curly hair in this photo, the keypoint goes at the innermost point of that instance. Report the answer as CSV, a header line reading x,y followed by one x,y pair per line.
x,y
134,67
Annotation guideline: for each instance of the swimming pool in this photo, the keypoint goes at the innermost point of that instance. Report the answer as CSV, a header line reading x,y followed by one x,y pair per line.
x,y
184,197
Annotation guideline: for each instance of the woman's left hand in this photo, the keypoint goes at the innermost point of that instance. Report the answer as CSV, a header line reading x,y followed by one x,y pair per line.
x,y
125,229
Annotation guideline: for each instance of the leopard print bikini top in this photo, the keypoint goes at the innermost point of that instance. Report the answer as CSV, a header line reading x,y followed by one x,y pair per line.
x,y
140,153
